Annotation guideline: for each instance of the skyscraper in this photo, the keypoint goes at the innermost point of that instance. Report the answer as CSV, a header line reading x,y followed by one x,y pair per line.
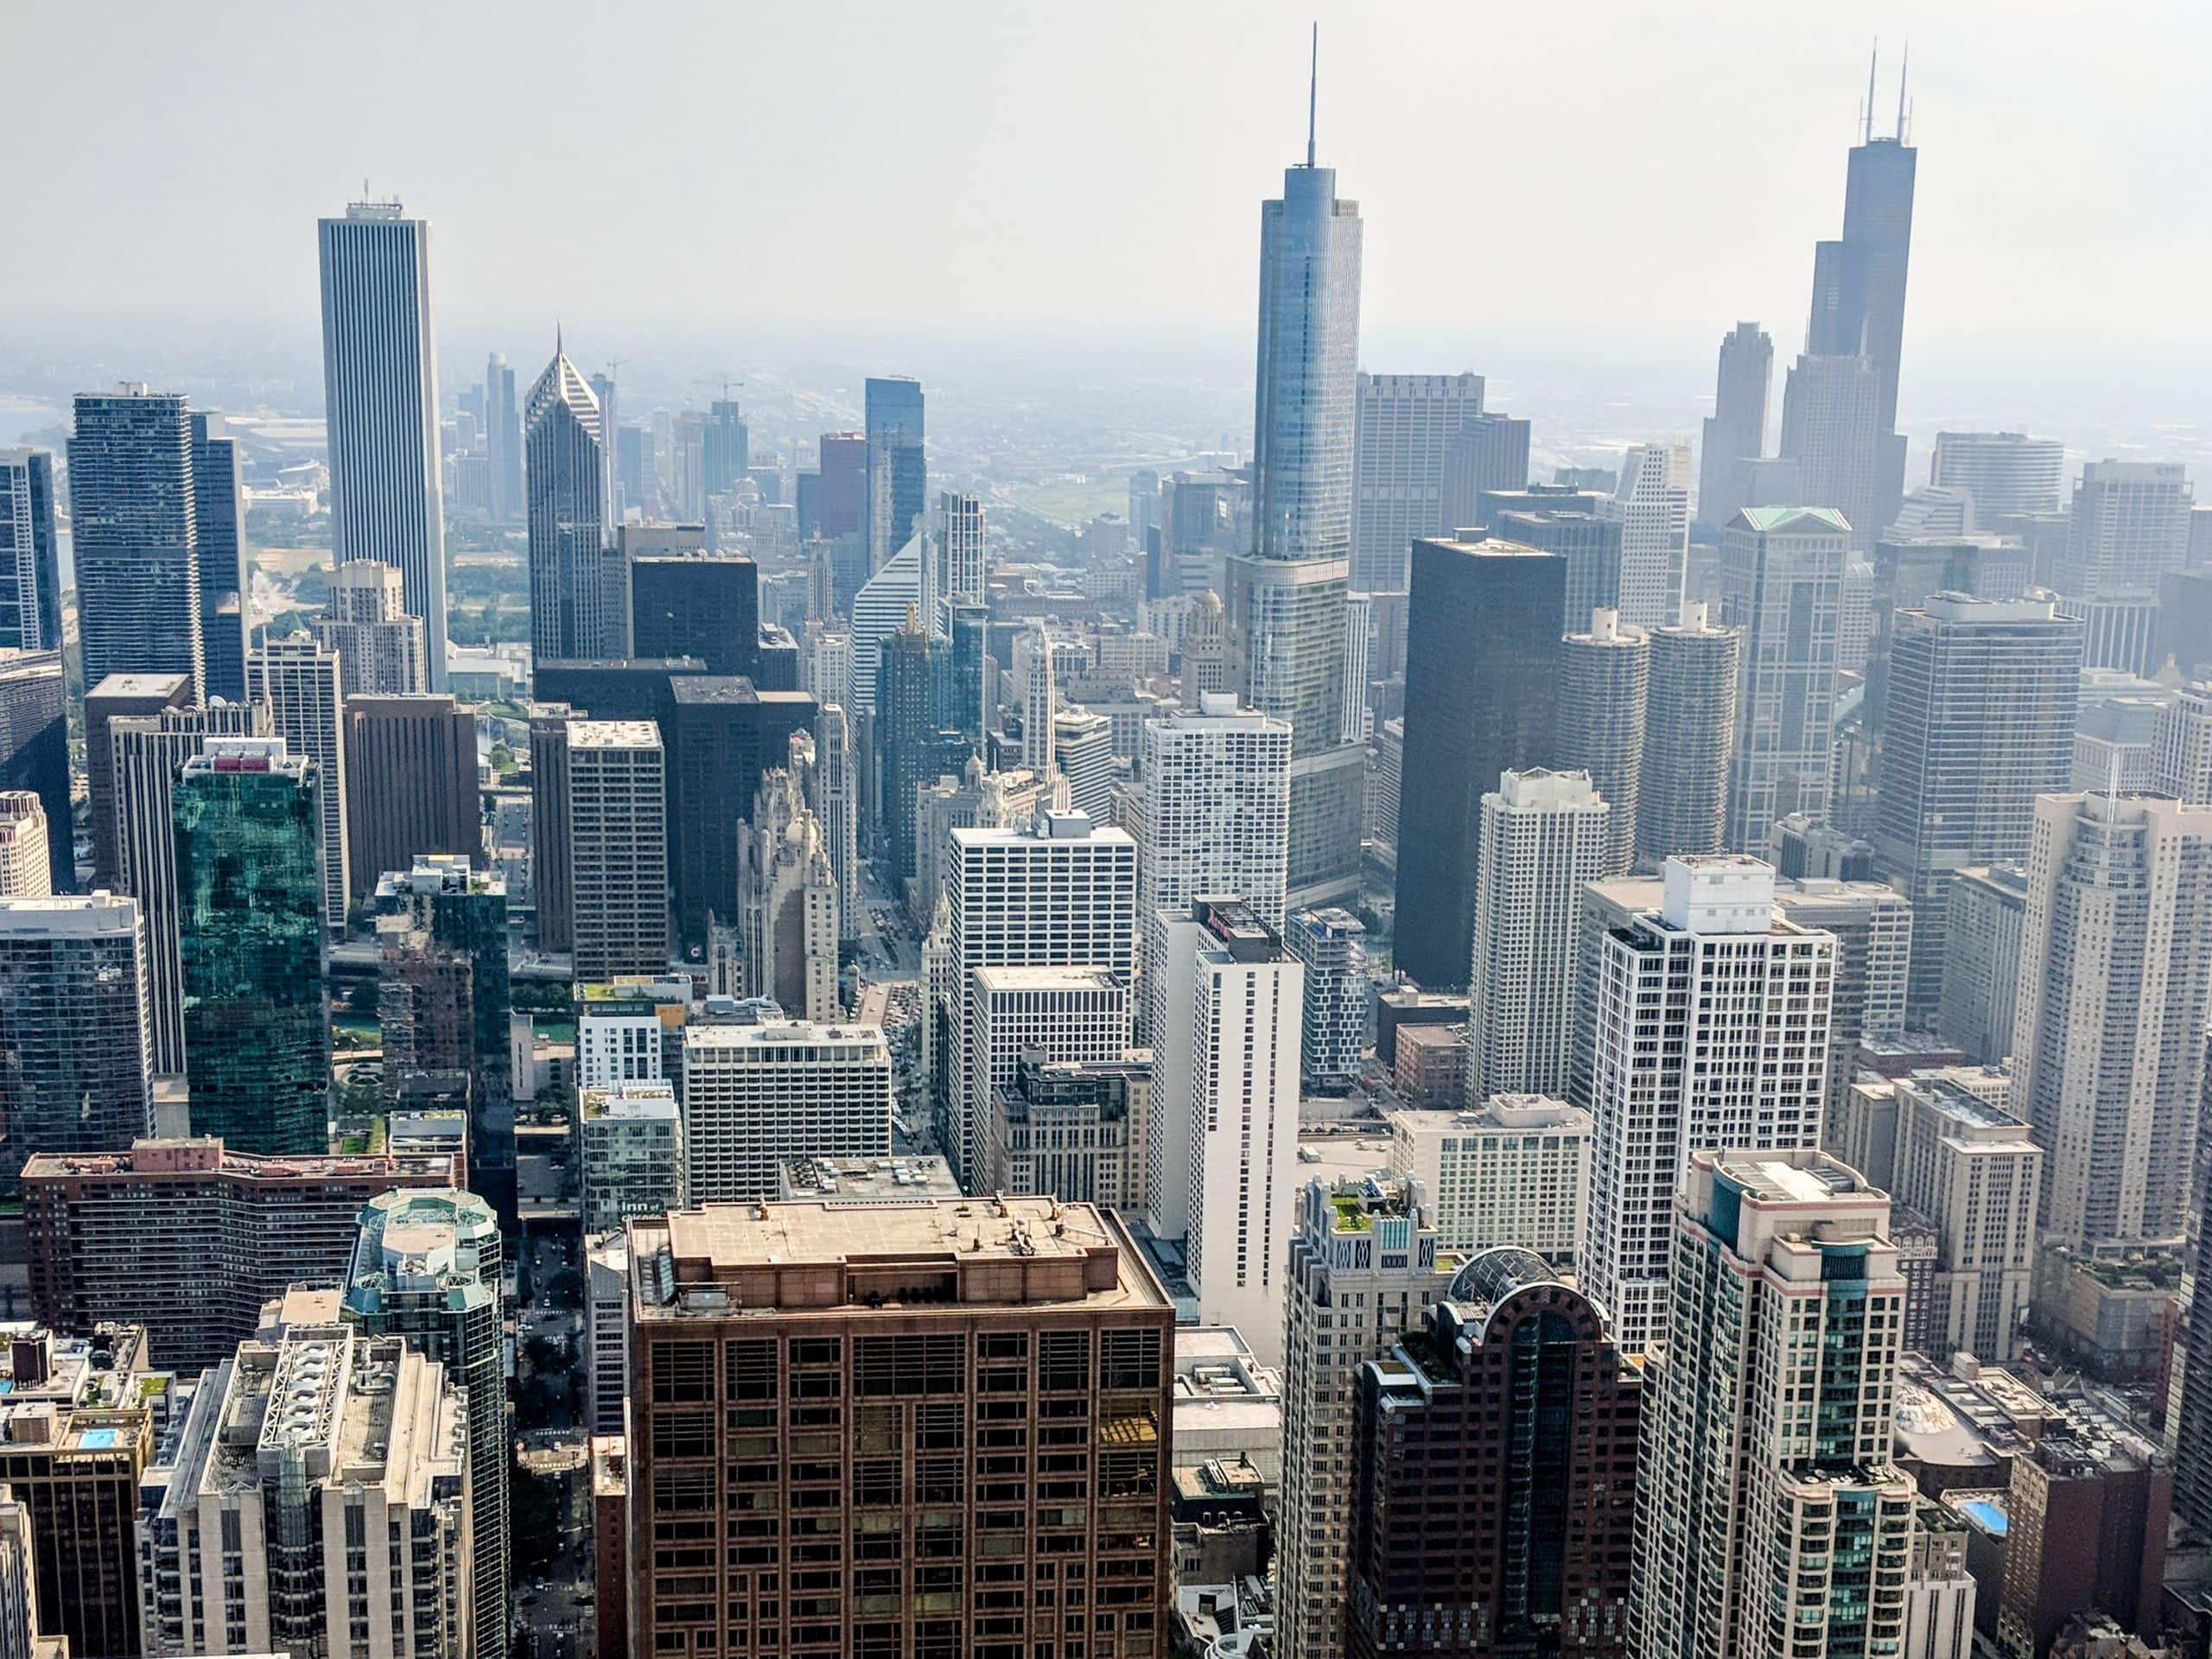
x,y
1790,1291
2128,531
1331,944
1403,426
2108,1029
378,645
1482,677
257,1024
1543,835
843,501
833,792
30,573
410,785
34,748
787,899
24,871
2180,748
615,818
1832,430
721,737
380,395
905,739
134,536
1735,429
428,1270
1713,969
1287,599
1604,683
898,466
1590,545
218,517
960,560
1980,721
2001,471
298,679
579,598
880,610
1781,582
1689,739
1651,503
75,1065
503,438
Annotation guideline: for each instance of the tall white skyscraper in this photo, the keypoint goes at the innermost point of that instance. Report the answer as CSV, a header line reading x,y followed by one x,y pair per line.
x,y
1059,1013
579,592
25,872
1037,657
380,399
1543,835
2108,1028
833,795
1248,996
1711,1031
1217,822
1605,689
1403,425
1765,1484
1690,738
881,608
960,561
1781,582
1060,892
298,679
756,1095
616,828
2001,471
1651,503
365,621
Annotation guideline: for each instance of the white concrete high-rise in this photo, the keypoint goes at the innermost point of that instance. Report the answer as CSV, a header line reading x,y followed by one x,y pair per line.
x,y
24,869
1769,1427
298,679
1604,684
1781,582
960,560
754,1096
1734,1056
1403,425
1070,1013
1037,661
1543,835
2108,1027
881,608
365,621
2181,747
1083,755
1690,738
2000,472
1509,1172
380,399
1970,1168
832,793
1651,503
616,815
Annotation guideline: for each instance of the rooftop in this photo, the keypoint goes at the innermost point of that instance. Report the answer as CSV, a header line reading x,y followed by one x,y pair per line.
x,y
1801,520
793,1034
613,735
1498,1112
867,1181
207,1155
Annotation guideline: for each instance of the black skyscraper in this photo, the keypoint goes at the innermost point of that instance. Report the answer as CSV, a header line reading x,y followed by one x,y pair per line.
x,y
721,735
1482,670
708,607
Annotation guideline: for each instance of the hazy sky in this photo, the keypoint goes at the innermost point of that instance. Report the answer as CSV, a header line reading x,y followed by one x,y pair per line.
x,y
1626,176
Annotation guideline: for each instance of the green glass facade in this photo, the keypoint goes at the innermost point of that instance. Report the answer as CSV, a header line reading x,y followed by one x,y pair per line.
x,y
249,935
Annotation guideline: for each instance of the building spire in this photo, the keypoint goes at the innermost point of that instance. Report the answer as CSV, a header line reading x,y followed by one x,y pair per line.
x,y
1873,58
1904,69
1312,90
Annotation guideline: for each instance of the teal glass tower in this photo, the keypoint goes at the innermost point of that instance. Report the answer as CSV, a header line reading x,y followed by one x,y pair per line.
x,y
249,935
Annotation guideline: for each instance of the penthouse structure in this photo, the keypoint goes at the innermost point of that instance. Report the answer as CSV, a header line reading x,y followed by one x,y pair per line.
x,y
957,1413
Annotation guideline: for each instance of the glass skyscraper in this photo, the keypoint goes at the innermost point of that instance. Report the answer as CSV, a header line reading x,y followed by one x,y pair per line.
x,y
30,576
577,608
249,935
133,534
898,466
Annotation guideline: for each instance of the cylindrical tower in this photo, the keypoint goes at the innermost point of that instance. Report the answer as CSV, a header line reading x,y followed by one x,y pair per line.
x,y
1689,726
1604,680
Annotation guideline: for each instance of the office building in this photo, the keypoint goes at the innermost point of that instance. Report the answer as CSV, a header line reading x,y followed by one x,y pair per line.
x,y
1332,944
1604,686
787,912
146,752
1062,1014
1981,960
960,557
365,625
250,937
2000,472
2115,983
898,466
2111,744
2181,747
1082,754
1513,1170
34,748
615,821
1403,426
298,679
897,590
503,438
631,1155
1832,428
444,1003
1060,892
1781,583
1736,967
1489,452
607,1333
907,738
1074,1129
2128,531
843,501
756,1095
380,392
1542,835
1876,941
1514,1412
2085,1517
1482,675
833,792
428,1270
722,737
219,527
134,539
30,571
75,1057
411,784
1735,429
1046,1305
1788,1280
1651,504
23,868
116,697
701,605
579,593
1970,1168
1980,721
1589,544
1365,1266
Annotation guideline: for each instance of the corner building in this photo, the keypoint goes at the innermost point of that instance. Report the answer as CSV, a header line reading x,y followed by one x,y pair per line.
x,y
919,1431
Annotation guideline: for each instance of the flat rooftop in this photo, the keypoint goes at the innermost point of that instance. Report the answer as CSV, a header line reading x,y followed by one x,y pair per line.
x,y
613,735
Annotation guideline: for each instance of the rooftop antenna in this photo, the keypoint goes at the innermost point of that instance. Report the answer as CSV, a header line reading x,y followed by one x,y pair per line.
x,y
1312,90
1875,58
1904,69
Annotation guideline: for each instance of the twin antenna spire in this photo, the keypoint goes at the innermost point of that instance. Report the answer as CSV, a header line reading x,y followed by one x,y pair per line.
x,y
1866,110
1312,90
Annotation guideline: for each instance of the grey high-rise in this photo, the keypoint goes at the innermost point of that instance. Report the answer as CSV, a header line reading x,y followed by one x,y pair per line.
x,y
34,748
1980,721
1736,431
1604,681
503,439
218,515
31,573
380,398
1286,600
1590,544
133,536
2129,529
1405,427
1689,726
75,1065
898,466
1482,679
579,607
1781,582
